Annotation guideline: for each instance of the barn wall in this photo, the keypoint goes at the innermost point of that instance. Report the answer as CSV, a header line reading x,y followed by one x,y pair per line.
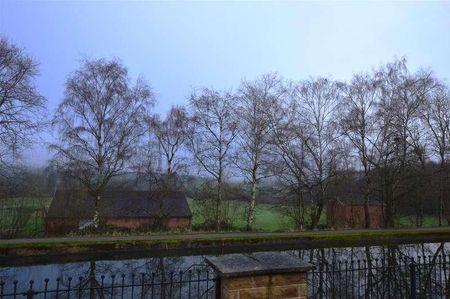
x,y
178,222
129,222
353,216
63,226
171,222
377,219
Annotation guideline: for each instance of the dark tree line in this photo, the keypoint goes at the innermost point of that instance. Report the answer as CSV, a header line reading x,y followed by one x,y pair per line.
x,y
385,133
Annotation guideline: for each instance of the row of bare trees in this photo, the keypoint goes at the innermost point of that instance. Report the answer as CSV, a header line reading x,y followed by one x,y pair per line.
x,y
385,127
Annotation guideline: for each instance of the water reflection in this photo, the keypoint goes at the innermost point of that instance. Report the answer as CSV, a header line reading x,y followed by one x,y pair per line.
x,y
415,271
159,277
369,272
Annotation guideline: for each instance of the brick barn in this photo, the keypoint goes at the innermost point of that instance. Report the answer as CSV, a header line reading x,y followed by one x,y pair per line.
x,y
351,215
73,210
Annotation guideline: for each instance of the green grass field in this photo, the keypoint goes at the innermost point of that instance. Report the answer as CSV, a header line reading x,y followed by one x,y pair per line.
x,y
268,217
26,202
406,221
271,218
23,217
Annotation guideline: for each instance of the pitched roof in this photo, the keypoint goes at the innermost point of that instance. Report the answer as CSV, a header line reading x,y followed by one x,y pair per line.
x,y
78,204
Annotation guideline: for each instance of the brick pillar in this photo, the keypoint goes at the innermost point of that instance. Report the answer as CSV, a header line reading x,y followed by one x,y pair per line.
x,y
260,275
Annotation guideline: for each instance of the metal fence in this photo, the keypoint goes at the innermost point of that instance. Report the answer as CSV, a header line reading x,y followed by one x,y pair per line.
x,y
423,277
183,284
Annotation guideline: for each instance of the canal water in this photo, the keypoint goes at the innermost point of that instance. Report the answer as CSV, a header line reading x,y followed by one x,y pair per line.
x,y
349,261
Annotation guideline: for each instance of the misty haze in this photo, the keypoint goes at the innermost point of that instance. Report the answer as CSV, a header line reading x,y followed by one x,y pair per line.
x,y
230,149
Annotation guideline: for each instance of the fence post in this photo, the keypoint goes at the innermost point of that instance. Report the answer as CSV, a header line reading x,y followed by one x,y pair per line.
x,y
412,280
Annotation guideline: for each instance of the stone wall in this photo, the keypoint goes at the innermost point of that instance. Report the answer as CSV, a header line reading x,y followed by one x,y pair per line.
x,y
289,285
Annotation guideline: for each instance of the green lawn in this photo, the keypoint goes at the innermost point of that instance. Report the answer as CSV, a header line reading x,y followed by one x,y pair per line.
x,y
271,218
268,217
410,221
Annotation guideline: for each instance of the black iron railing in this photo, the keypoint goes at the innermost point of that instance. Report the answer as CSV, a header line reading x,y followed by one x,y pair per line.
x,y
183,284
423,277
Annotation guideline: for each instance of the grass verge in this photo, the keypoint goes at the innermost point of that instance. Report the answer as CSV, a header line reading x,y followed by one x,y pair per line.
x,y
195,240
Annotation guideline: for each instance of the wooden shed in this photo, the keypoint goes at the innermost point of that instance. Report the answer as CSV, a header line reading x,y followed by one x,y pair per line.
x,y
71,210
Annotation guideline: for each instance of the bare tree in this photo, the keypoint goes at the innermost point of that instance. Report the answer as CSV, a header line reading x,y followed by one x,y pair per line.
x,y
21,105
211,135
287,161
436,118
255,101
316,102
358,125
162,148
100,123
171,134
402,97
147,163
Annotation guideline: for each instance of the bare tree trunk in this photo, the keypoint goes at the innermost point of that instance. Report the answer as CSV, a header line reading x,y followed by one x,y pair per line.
x,y
301,215
163,276
169,169
389,208
315,215
218,204
446,194
366,205
251,206
92,281
370,273
366,214
440,214
367,192
441,191
96,212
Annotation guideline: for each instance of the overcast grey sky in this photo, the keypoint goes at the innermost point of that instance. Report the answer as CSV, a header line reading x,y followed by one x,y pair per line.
x,y
180,45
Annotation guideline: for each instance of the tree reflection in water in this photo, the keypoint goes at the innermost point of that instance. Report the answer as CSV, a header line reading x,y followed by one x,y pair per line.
x,y
413,271
159,277
364,272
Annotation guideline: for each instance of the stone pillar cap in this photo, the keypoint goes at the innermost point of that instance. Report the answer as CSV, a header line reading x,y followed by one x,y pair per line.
x,y
259,263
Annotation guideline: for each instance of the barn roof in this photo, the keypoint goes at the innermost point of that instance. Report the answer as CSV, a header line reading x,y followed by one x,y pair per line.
x,y
119,204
